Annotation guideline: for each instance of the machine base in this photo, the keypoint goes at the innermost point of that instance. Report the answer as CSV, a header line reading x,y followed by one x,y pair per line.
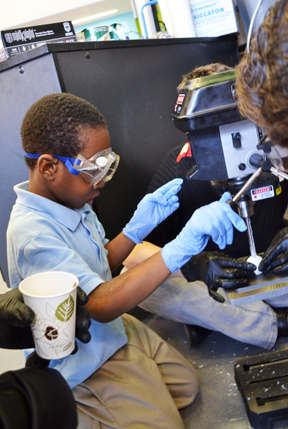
x,y
263,383
260,288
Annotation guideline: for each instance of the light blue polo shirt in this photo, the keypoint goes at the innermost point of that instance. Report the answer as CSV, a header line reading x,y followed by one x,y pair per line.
x,y
45,236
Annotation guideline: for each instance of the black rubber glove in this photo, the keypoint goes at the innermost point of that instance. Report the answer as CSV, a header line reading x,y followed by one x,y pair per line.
x,y
83,319
216,269
15,320
276,256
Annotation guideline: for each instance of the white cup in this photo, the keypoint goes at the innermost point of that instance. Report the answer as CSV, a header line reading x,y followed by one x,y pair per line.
x,y
52,296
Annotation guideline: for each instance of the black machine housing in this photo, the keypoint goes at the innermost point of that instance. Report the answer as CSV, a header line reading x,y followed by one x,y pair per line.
x,y
223,143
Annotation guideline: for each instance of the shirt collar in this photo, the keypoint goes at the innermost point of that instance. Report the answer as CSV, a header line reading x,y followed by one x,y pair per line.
x,y
64,215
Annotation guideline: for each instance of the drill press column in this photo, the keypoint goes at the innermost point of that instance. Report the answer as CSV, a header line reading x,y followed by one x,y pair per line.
x,y
246,210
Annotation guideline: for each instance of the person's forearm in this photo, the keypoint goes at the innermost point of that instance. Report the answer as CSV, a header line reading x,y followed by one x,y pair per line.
x,y
119,295
143,251
118,250
140,253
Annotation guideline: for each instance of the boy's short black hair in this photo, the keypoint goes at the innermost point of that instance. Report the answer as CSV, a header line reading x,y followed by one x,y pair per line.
x,y
201,71
54,123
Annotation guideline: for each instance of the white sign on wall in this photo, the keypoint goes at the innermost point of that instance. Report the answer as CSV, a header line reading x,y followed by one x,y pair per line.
x,y
213,18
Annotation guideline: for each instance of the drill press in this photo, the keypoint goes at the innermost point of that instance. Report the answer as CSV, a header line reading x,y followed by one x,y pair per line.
x,y
232,153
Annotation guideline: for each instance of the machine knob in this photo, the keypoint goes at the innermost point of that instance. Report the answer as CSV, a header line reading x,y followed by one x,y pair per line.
x,y
242,166
255,160
236,139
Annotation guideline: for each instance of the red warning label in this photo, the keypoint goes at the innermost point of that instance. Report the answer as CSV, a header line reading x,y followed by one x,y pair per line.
x,y
262,193
179,102
180,98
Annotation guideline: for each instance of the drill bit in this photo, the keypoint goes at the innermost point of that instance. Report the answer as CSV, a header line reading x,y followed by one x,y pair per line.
x,y
250,237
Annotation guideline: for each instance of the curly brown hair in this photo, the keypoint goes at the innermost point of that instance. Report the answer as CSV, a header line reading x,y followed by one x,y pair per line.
x,y
203,71
54,124
262,76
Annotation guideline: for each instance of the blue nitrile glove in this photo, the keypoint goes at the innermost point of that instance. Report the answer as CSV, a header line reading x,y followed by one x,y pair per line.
x,y
215,220
152,210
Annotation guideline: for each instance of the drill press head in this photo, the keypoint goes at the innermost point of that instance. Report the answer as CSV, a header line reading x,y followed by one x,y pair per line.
x,y
225,146
222,142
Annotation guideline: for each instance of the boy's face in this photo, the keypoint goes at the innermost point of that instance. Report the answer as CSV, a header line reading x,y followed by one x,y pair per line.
x,y
73,191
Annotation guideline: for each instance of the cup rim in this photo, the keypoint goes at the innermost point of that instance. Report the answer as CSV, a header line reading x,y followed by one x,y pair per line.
x,y
48,273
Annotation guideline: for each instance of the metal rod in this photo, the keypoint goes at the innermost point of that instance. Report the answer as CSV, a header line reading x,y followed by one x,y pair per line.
x,y
247,185
279,173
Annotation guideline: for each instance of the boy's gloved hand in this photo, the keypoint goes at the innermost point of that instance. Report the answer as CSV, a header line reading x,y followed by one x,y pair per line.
x,y
276,256
215,220
216,269
152,210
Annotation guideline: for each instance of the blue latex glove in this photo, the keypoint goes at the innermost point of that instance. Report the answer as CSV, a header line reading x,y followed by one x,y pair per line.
x,y
215,220
152,210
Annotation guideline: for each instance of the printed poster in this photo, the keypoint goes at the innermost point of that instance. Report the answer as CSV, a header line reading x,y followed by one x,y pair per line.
x,y
213,18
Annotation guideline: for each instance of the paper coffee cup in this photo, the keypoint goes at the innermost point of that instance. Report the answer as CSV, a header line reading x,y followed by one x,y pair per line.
x,y
52,296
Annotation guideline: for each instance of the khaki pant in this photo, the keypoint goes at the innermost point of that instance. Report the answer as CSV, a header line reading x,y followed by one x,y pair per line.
x,y
141,386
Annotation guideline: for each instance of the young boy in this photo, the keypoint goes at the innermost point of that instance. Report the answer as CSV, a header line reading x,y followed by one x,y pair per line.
x,y
126,376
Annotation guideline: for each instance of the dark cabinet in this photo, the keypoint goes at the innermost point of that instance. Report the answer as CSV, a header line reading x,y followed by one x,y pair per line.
x,y
133,83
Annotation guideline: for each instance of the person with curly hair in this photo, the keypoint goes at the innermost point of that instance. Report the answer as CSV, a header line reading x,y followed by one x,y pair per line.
x,y
262,89
262,76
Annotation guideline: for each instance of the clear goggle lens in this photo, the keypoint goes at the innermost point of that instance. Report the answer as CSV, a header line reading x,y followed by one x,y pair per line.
x,y
279,158
101,166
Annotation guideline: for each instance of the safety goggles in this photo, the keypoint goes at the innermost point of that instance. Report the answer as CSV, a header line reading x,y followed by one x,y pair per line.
x,y
100,166
279,158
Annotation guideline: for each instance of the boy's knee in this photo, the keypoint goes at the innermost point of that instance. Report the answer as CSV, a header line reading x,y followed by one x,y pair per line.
x,y
190,389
